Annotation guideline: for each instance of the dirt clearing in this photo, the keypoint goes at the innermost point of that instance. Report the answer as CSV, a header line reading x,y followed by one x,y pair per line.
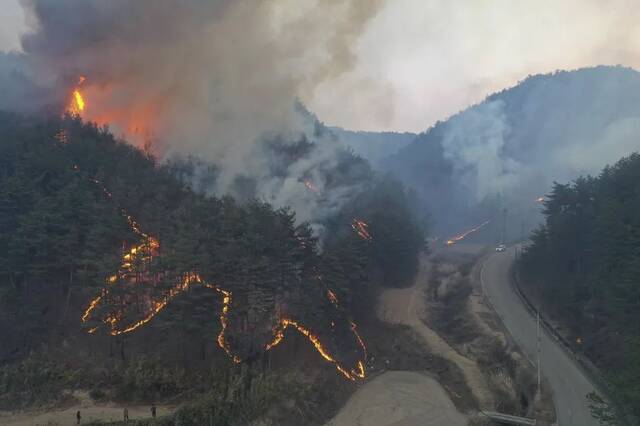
x,y
89,410
400,398
407,306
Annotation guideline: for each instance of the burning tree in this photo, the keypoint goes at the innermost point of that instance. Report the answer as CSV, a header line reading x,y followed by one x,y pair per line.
x,y
134,296
130,247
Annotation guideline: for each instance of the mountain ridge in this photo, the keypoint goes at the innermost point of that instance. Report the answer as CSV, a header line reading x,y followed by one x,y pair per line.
x,y
517,141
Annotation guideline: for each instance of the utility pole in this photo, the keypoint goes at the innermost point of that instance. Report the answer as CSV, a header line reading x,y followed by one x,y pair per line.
x,y
504,226
538,345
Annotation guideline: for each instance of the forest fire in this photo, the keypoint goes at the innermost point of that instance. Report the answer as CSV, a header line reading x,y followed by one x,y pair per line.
x,y
224,321
79,100
463,235
155,308
133,295
361,228
77,103
540,199
140,257
149,299
353,374
134,122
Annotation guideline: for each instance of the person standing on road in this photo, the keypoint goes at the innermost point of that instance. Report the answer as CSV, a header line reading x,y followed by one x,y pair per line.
x,y
153,410
126,414
78,417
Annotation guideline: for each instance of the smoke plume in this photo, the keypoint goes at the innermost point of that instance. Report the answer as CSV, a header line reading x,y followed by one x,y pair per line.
x,y
507,151
474,143
209,78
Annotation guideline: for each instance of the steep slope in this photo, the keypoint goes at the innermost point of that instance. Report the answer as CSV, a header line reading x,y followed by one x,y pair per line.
x,y
112,267
507,150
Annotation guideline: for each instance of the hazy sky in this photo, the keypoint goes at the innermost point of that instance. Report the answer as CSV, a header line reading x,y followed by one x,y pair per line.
x,y
11,24
423,60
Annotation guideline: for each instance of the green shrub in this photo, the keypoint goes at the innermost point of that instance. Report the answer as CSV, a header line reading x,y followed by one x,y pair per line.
x,y
238,399
35,381
144,379
97,394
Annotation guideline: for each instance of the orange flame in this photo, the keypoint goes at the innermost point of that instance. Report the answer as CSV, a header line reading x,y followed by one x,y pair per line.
x,y
352,374
462,236
146,250
135,122
77,103
224,322
143,254
79,100
284,323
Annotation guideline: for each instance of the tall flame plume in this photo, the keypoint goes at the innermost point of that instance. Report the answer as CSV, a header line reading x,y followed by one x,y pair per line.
x,y
77,104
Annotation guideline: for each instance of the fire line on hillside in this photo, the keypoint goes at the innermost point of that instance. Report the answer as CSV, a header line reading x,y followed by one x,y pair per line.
x,y
139,257
143,254
463,235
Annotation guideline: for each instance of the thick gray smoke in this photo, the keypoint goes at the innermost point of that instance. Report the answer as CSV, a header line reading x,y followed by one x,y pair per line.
x,y
210,78
19,91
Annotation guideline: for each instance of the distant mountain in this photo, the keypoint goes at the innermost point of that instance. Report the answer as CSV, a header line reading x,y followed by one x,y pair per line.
x,y
373,146
506,151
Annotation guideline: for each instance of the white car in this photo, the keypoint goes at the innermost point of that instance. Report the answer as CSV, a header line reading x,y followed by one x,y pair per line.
x,y
501,247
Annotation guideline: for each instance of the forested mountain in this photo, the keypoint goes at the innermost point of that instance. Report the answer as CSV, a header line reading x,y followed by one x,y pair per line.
x,y
374,146
107,255
584,263
507,150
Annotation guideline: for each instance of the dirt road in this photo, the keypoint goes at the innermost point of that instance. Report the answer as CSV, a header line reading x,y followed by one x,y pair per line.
x,y
89,410
400,398
406,306
412,398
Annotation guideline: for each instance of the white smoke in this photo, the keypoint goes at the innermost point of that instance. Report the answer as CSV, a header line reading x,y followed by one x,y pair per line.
x,y
553,128
474,142
507,151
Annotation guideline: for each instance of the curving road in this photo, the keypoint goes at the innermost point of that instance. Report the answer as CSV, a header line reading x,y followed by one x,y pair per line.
x,y
569,384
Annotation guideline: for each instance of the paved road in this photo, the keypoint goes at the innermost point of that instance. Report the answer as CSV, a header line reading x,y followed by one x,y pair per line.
x,y
569,384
